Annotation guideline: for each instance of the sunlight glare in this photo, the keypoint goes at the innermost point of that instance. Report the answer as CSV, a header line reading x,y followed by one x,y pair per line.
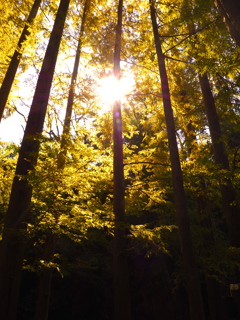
x,y
111,89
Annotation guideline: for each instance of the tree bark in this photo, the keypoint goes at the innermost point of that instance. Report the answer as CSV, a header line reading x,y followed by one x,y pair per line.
x,y
230,10
45,279
214,293
68,115
230,206
120,267
191,273
13,66
17,216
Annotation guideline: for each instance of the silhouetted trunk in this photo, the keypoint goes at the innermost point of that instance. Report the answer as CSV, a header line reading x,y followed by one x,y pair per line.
x,y
191,273
17,216
230,10
13,66
230,204
231,207
68,115
190,137
45,279
214,288
120,267
214,292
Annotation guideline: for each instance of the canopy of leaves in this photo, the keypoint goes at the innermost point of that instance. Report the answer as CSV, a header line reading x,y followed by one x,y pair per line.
x,y
76,201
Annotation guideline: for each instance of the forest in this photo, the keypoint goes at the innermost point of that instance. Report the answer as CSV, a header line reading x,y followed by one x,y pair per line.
x,y
122,198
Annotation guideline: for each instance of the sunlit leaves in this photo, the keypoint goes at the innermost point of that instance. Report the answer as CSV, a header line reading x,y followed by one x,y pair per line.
x,y
79,197
8,156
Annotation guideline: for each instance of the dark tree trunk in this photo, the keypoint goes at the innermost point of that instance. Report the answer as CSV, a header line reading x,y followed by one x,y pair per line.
x,y
12,68
214,292
68,115
228,193
231,207
230,10
191,273
45,279
17,216
120,267
214,287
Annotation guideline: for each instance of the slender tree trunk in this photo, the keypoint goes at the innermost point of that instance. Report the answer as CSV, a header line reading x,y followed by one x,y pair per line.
x,y
17,216
231,207
45,279
68,115
214,288
191,273
12,68
120,268
230,204
230,10
214,291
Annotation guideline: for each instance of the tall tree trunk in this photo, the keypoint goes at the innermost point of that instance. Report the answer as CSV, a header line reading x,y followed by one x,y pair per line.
x,y
230,10
45,279
231,207
191,273
17,216
120,268
214,291
12,68
68,115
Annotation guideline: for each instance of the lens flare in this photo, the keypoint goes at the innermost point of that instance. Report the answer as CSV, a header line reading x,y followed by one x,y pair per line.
x,y
111,89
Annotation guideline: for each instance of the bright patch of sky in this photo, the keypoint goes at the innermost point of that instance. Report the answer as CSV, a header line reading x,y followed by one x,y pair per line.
x,y
12,129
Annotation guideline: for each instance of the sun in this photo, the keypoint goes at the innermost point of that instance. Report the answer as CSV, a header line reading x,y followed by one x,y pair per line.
x,y
110,89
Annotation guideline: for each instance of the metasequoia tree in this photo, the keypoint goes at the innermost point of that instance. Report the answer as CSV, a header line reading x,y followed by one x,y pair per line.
x,y
120,268
230,10
16,58
17,216
73,190
12,24
231,207
229,199
71,94
49,246
191,273
205,218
